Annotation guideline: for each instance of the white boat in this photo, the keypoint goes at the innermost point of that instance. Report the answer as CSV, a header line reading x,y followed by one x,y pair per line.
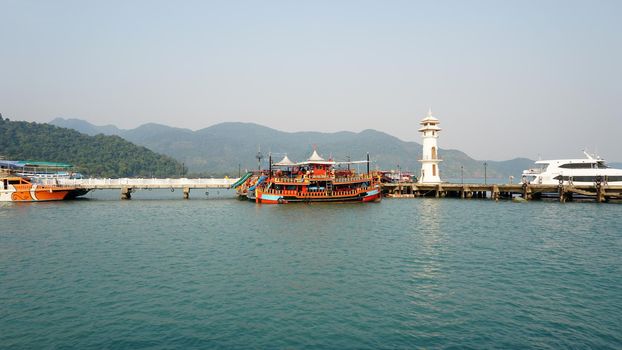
x,y
585,171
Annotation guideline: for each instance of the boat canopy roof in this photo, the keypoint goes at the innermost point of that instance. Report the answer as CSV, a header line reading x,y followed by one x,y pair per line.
x,y
285,162
47,164
315,158
27,163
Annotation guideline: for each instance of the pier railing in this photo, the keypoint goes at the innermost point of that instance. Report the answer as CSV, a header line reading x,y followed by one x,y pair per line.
x,y
140,183
129,185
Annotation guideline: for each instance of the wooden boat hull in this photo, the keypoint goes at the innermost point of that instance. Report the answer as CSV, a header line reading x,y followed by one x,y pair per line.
x,y
371,195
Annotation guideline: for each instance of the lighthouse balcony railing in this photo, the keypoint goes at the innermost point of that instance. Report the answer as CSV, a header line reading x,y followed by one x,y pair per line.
x,y
426,157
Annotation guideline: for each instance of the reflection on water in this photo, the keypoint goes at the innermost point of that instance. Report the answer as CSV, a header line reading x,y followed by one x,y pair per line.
x,y
426,265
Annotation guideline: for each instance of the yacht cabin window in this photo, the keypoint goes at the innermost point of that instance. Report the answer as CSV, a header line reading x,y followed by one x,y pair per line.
x,y
577,166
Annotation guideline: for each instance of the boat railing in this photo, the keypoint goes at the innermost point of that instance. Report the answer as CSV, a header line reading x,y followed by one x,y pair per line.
x,y
289,179
306,178
322,193
533,171
363,177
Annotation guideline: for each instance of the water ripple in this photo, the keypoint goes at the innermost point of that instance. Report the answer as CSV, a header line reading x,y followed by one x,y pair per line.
x,y
421,273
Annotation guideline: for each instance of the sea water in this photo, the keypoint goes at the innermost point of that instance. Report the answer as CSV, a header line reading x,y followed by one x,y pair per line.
x,y
213,272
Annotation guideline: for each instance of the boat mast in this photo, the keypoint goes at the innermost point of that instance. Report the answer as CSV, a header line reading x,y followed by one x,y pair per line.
x,y
259,156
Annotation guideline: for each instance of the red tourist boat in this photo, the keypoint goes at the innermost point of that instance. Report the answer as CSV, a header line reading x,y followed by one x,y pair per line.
x,y
314,180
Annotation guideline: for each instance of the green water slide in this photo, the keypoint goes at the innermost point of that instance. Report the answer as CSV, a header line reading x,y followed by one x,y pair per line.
x,y
241,180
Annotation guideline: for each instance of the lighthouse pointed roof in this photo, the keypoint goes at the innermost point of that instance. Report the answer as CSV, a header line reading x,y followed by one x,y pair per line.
x,y
429,123
429,119
285,162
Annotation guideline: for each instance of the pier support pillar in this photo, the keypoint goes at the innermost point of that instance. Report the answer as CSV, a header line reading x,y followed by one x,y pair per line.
x,y
186,191
526,191
439,191
562,194
494,194
600,193
466,192
126,193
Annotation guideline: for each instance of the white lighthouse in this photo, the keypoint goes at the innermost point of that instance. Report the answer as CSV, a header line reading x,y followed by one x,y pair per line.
x,y
429,130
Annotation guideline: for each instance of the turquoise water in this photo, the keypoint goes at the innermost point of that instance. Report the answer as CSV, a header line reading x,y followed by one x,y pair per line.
x,y
160,272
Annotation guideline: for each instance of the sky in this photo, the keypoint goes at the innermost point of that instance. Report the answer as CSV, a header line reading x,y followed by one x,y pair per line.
x,y
506,79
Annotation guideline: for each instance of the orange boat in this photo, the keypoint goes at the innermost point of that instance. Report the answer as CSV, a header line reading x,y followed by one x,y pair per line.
x,y
20,189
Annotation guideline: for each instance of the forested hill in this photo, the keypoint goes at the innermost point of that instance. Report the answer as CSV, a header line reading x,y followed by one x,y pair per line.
x,y
100,155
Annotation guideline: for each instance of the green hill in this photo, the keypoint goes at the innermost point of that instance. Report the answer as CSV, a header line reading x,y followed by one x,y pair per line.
x,y
219,149
100,155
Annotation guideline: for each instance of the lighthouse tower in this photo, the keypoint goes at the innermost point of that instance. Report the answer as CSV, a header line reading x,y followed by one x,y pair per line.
x,y
430,173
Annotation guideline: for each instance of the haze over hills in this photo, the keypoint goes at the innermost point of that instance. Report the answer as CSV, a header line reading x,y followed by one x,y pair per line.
x,y
220,148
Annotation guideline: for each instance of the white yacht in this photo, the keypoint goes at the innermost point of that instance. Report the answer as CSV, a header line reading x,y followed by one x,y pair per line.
x,y
585,171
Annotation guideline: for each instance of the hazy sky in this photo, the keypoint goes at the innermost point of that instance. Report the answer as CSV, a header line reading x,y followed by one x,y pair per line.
x,y
505,78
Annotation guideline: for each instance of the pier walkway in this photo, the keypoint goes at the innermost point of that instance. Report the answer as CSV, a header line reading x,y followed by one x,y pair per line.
x,y
599,192
129,185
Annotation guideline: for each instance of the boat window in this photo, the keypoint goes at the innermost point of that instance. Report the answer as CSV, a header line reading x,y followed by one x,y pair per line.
x,y
5,184
14,182
576,166
601,165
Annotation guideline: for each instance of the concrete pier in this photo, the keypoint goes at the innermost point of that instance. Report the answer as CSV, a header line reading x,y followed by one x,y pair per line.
x,y
598,192
131,185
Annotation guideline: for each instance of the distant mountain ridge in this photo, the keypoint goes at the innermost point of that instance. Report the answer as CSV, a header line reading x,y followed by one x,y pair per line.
x,y
85,127
220,148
